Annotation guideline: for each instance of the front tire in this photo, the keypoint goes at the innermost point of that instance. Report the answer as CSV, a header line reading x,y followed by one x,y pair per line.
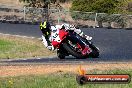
x,y
72,52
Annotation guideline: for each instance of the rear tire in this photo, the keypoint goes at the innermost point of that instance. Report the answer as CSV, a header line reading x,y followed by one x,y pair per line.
x,y
95,52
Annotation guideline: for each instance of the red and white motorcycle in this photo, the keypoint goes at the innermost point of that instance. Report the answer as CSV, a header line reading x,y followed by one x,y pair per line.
x,y
69,42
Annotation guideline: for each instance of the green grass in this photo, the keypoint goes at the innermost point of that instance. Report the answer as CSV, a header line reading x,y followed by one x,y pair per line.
x,y
5,45
59,80
18,47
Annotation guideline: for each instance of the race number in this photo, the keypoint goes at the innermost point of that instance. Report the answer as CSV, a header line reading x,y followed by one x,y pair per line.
x,y
56,37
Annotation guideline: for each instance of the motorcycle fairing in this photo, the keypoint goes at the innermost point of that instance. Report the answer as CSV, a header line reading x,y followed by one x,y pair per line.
x,y
58,36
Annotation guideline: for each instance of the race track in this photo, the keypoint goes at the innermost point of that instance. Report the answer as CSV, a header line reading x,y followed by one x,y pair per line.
x,y
115,44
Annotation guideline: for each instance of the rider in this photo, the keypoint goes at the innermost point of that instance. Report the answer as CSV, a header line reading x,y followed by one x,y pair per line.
x,y
46,29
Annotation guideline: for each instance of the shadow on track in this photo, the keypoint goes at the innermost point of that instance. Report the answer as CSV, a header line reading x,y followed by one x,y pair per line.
x,y
68,60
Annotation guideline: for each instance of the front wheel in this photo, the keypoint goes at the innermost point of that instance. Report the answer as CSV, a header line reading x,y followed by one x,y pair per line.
x,y
72,51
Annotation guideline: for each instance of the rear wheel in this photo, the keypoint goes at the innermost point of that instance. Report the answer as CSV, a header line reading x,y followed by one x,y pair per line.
x,y
95,52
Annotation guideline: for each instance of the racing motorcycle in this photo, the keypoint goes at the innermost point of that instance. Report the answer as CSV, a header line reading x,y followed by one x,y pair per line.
x,y
69,42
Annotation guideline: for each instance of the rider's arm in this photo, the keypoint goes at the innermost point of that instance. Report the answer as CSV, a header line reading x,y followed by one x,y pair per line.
x,y
78,31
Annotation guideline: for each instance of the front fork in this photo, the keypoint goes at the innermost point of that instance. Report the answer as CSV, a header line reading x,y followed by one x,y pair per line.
x,y
76,40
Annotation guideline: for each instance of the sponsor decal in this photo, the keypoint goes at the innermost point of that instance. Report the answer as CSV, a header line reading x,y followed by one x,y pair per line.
x,y
84,78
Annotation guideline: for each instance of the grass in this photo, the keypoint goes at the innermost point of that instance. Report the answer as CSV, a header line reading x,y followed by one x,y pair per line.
x,y
59,80
21,47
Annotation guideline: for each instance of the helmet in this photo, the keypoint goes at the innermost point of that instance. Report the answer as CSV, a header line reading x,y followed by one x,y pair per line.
x,y
45,28
45,25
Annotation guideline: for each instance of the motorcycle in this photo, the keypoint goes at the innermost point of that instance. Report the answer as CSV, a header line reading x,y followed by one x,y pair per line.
x,y
69,42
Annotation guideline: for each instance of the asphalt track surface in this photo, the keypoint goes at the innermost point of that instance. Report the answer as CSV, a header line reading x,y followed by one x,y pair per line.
x,y
115,44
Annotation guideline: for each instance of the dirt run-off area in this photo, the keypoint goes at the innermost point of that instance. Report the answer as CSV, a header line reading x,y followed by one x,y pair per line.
x,y
19,70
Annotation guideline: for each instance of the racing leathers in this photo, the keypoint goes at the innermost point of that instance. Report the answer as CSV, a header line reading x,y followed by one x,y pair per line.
x,y
46,33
